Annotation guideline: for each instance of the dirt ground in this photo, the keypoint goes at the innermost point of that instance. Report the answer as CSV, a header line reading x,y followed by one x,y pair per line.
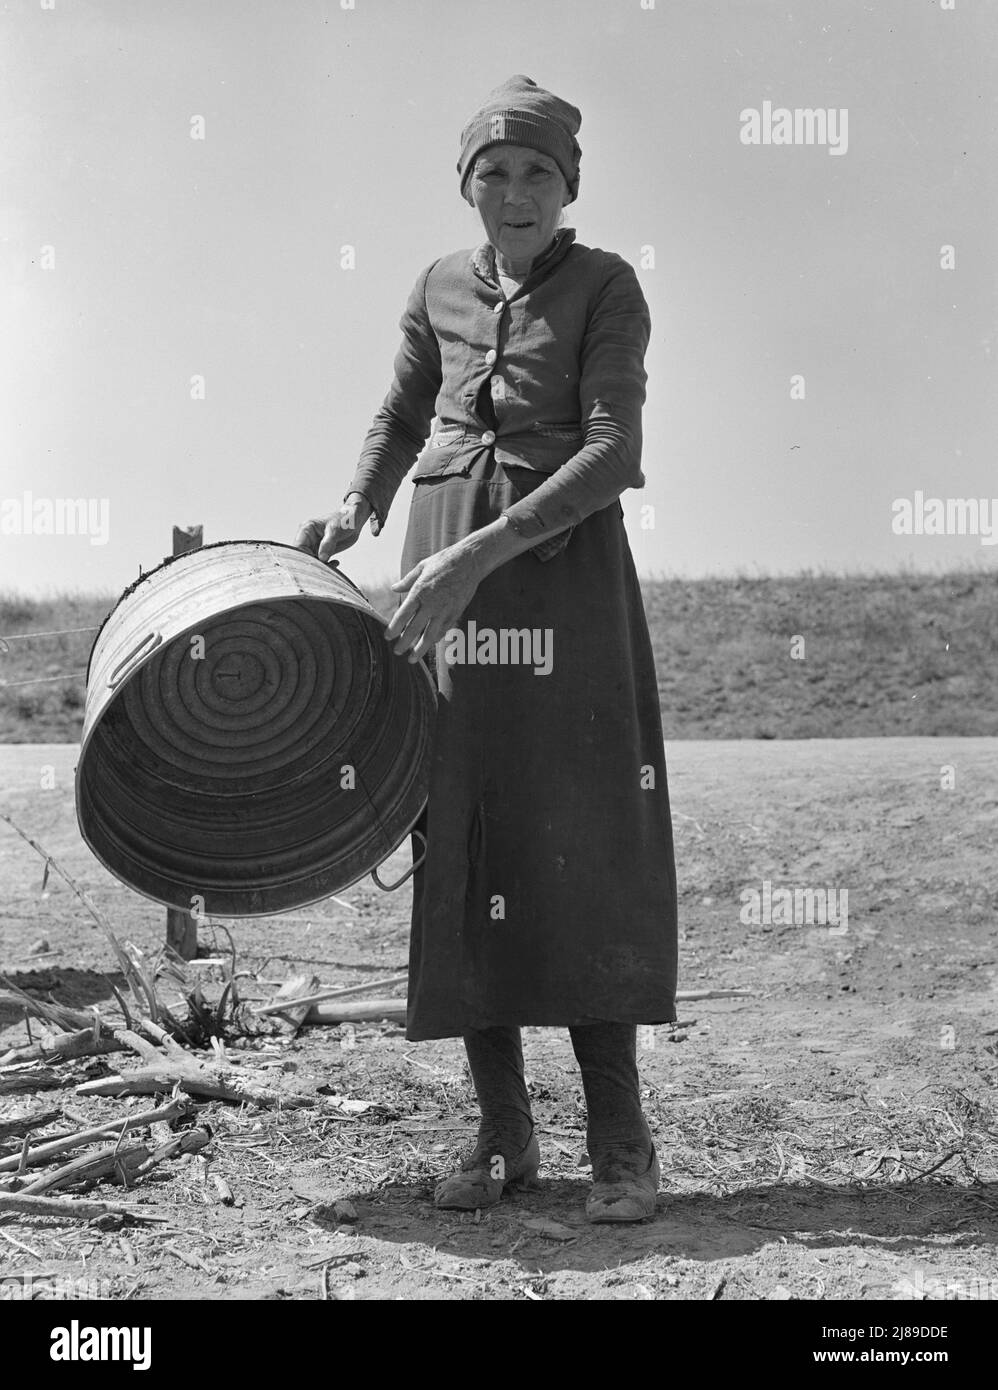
x,y
795,1127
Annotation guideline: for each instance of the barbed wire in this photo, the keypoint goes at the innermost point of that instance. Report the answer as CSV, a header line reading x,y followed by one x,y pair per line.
x,y
40,680
56,632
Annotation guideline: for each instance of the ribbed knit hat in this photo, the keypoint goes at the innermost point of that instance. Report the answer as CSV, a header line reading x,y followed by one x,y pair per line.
x,y
521,113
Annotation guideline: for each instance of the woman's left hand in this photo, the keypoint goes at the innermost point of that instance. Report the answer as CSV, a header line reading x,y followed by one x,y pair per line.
x,y
439,590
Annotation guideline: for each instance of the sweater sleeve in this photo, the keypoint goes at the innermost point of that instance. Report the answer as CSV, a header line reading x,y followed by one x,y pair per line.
x,y
611,395
401,426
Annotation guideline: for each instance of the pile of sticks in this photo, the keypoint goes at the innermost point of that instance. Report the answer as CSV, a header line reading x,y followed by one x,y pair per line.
x,y
117,1162
110,1151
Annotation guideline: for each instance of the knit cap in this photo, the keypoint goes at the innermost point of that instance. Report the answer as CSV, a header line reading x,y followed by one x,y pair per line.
x,y
521,113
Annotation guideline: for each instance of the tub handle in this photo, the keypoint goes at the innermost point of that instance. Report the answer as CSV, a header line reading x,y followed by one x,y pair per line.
x,y
127,663
334,564
390,887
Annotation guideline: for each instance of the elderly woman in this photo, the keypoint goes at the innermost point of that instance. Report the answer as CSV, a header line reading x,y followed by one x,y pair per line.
x,y
548,891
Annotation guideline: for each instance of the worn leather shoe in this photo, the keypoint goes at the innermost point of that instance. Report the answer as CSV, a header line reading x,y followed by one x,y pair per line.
x,y
625,1184
482,1178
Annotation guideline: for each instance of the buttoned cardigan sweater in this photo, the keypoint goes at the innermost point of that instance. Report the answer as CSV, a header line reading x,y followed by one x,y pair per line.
x,y
570,345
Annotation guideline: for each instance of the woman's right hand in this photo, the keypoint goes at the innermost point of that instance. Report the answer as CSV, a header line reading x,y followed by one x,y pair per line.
x,y
325,536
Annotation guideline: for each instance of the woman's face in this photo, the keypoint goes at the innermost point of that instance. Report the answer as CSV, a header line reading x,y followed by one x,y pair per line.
x,y
519,194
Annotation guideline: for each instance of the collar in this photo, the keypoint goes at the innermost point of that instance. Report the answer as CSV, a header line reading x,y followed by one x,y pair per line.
x,y
483,258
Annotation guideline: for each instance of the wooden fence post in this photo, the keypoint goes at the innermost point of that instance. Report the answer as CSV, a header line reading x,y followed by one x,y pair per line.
x,y
181,927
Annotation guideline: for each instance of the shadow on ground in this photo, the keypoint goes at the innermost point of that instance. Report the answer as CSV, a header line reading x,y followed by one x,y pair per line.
x,y
686,1226
74,989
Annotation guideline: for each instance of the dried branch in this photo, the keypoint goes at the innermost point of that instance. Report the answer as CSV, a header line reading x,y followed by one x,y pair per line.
x,y
167,1113
56,1014
188,1076
17,1129
124,1165
359,1011
29,1079
60,1047
187,1143
275,1007
110,1162
74,1209
299,989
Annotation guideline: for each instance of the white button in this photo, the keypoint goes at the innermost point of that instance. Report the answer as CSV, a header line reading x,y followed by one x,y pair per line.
x,y
499,307
491,356
489,437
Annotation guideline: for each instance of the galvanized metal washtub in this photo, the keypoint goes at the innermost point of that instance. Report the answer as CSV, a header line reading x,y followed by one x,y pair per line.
x,y
251,743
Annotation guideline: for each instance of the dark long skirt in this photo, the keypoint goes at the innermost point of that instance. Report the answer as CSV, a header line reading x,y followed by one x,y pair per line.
x,y
548,895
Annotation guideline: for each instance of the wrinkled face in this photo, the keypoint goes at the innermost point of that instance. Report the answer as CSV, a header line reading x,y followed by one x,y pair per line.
x,y
519,194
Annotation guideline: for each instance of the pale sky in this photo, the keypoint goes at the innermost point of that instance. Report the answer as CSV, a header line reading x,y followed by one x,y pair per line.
x,y
328,127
